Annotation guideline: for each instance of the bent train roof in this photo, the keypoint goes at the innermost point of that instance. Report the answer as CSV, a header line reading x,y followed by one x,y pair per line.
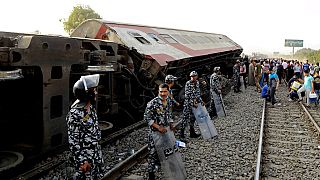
x,y
162,44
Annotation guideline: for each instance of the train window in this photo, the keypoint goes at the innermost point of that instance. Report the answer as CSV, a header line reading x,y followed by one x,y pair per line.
x,y
155,37
139,38
142,40
134,34
56,106
56,72
168,38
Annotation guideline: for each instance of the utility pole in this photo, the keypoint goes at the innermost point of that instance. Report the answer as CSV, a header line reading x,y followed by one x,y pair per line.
x,y
292,52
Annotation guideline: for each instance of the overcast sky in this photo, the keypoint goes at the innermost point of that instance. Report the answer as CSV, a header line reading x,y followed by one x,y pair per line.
x,y
257,25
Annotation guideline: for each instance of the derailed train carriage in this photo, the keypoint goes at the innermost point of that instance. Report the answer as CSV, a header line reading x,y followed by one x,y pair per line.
x,y
37,73
158,51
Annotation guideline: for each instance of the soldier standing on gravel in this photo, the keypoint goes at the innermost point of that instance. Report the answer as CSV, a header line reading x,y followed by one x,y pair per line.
x,y
192,98
215,87
158,116
83,130
236,77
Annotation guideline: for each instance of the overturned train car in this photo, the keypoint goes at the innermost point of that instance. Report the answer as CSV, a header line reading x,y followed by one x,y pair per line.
x,y
37,74
165,50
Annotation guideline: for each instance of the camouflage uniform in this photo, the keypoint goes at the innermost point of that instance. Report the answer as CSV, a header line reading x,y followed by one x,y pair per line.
x,y
236,78
192,96
215,86
171,97
84,136
156,112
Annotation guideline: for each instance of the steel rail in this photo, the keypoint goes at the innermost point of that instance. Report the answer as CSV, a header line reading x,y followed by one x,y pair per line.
x,y
310,117
257,174
260,148
37,172
42,170
125,165
118,170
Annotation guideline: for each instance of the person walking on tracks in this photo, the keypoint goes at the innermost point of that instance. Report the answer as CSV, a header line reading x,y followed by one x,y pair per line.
x,y
192,99
83,130
158,117
273,85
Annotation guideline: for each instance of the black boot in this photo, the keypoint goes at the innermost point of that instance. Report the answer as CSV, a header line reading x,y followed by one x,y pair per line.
x,y
193,133
152,176
182,136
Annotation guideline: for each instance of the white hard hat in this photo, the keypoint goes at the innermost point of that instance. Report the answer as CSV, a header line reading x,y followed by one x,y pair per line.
x,y
170,78
215,69
193,73
86,82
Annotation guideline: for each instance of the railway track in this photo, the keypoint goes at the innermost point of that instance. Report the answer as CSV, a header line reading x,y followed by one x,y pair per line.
x,y
289,146
117,171
39,171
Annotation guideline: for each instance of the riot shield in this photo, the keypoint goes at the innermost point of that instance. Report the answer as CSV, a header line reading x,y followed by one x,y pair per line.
x,y
218,103
170,159
242,87
207,129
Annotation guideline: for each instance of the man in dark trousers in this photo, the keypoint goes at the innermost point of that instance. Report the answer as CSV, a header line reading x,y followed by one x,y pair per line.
x,y
215,87
83,130
236,77
273,85
158,117
192,99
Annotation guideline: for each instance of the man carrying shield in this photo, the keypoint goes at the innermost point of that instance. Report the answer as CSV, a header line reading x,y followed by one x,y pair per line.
x,y
192,98
216,103
160,123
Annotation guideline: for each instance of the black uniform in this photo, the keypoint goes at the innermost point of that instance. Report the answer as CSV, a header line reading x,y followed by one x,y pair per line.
x,y
84,136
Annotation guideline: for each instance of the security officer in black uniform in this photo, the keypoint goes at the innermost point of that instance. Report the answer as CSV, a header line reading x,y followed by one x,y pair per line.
x,y
158,117
215,87
83,130
192,99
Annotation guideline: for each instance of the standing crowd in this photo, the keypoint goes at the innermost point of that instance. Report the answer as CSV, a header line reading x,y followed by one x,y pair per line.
x,y
301,78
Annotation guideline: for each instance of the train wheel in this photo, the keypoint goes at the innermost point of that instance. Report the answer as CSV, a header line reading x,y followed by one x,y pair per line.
x,y
9,159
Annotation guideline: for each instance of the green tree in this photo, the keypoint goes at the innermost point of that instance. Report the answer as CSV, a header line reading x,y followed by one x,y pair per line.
x,y
306,53
79,14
